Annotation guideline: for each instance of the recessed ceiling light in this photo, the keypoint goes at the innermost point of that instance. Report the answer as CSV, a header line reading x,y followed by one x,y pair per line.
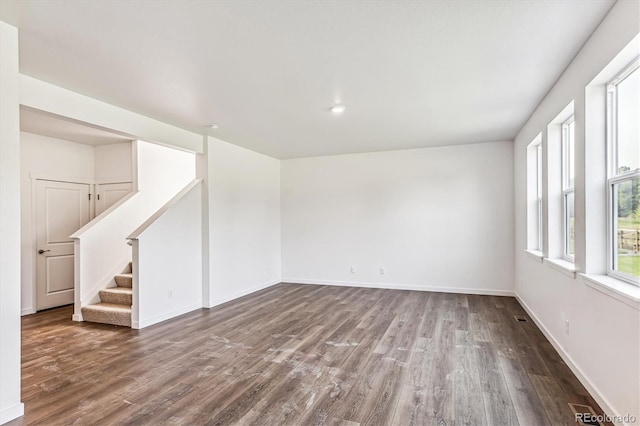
x,y
338,109
213,126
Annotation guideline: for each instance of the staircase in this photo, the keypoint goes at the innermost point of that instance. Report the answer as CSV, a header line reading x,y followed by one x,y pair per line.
x,y
115,303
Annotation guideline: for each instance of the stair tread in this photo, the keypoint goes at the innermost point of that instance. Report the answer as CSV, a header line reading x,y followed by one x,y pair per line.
x,y
125,275
108,307
124,290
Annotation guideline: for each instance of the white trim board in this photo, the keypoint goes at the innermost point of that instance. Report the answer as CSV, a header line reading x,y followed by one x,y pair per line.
x,y
166,316
220,300
591,388
11,413
394,286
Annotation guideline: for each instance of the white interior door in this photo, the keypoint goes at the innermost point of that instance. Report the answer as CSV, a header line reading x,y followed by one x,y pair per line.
x,y
61,209
107,194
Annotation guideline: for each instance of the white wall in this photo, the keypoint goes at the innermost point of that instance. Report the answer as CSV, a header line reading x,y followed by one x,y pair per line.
x,y
244,220
167,257
43,157
10,405
434,218
603,344
101,249
113,163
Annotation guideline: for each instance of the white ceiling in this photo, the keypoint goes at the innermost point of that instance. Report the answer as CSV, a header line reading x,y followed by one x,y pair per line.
x,y
411,74
39,123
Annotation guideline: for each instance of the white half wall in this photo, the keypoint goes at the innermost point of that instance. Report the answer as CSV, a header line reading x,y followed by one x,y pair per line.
x,y
602,343
438,219
244,221
49,158
10,405
167,258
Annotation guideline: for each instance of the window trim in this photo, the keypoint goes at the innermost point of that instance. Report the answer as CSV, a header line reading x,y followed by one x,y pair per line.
x,y
539,191
566,189
613,177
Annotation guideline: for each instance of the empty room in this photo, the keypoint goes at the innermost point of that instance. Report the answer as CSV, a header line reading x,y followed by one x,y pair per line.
x,y
272,212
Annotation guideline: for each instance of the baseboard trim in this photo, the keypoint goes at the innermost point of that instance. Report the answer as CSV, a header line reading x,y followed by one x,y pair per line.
x,y
593,390
77,317
27,311
393,286
237,295
166,316
11,413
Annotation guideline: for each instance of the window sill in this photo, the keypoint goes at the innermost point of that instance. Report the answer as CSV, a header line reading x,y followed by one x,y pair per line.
x,y
535,254
628,294
567,268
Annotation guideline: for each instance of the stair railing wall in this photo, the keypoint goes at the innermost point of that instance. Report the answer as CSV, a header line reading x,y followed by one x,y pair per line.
x,y
167,260
101,248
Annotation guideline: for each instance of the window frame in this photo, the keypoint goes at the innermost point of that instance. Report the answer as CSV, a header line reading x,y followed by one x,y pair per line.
x,y
539,191
613,176
567,189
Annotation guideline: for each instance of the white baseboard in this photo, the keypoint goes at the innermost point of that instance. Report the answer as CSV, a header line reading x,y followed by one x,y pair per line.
x,y
591,388
166,316
27,311
11,413
238,294
393,286
77,317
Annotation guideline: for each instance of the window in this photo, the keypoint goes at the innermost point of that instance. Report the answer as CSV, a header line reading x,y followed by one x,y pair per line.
x,y
623,182
534,194
568,177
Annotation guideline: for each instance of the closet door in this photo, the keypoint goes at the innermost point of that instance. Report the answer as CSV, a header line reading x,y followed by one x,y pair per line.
x,y
107,194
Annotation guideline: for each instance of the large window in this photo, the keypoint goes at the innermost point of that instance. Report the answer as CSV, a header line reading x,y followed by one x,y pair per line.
x,y
568,178
623,184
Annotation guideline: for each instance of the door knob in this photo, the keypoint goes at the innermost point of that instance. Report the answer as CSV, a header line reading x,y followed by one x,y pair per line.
x,y
43,251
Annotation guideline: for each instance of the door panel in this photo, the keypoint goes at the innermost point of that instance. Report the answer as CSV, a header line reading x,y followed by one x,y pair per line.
x,y
59,273
61,209
110,193
65,212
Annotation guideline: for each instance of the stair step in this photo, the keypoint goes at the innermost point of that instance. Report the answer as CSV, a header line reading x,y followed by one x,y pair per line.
x,y
108,313
124,280
117,295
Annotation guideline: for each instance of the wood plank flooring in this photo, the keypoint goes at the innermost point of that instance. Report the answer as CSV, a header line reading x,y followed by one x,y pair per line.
x,y
302,355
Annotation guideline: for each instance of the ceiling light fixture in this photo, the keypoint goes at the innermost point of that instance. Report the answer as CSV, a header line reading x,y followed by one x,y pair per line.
x,y
338,109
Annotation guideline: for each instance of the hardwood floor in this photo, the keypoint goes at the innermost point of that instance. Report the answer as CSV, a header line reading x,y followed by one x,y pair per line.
x,y
301,354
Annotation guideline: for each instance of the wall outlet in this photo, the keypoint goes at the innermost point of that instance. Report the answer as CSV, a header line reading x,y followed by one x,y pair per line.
x,y
353,269
566,327
170,293
382,271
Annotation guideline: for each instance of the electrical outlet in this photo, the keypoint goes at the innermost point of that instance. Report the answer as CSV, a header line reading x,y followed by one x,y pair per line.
x,y
170,293
353,269
382,271
566,327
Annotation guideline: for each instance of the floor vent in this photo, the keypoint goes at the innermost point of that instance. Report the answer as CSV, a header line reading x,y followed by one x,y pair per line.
x,y
520,318
584,415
